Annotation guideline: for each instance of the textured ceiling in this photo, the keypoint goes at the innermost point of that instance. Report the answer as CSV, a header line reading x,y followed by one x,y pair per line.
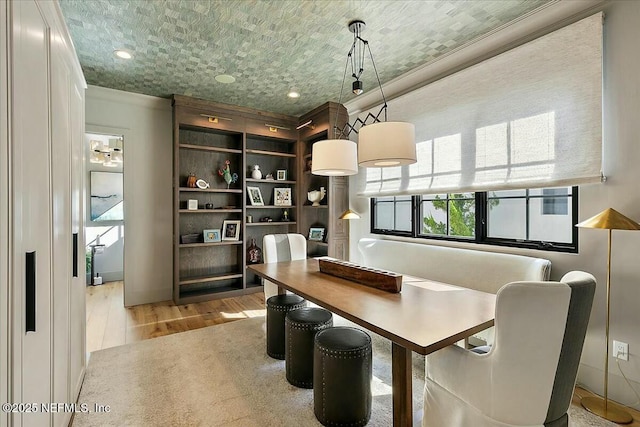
x,y
270,47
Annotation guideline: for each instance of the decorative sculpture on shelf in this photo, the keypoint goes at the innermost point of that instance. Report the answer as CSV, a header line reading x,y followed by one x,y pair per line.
x,y
254,253
256,173
316,196
226,174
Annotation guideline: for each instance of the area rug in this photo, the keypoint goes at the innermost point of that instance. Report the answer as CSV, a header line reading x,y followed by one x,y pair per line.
x,y
222,376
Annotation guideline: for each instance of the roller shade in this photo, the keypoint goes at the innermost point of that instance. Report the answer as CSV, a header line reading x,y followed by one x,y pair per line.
x,y
528,118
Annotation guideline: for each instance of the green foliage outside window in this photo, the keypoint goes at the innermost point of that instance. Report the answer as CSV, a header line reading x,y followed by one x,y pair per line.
x,y
462,216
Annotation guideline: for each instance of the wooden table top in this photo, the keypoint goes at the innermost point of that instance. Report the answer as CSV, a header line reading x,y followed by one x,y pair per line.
x,y
426,316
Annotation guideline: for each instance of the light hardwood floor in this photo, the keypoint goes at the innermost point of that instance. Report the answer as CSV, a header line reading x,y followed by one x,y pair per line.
x,y
110,324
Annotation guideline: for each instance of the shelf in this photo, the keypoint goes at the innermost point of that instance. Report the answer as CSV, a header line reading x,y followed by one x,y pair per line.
x,y
208,148
270,181
214,270
209,211
202,245
210,278
201,295
210,190
271,207
253,285
260,224
270,153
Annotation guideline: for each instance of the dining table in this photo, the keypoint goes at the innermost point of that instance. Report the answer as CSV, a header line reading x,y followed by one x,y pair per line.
x,y
423,317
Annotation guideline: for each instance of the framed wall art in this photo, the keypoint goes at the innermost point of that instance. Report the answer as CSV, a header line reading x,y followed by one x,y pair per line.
x,y
255,196
282,196
316,234
231,229
107,195
211,236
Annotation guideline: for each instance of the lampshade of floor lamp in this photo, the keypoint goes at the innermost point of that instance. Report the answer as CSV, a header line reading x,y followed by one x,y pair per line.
x,y
609,219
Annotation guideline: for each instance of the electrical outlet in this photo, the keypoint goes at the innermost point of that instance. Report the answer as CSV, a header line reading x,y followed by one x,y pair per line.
x,y
620,350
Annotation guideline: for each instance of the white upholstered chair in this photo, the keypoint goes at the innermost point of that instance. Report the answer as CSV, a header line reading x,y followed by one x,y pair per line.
x,y
282,247
528,375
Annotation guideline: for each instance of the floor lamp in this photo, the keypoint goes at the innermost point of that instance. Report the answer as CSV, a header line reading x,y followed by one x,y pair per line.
x,y
609,219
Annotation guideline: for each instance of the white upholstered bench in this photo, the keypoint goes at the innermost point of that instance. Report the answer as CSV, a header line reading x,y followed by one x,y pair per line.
x,y
479,270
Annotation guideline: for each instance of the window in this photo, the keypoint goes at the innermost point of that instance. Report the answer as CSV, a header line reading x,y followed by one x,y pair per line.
x,y
536,218
555,205
448,215
393,215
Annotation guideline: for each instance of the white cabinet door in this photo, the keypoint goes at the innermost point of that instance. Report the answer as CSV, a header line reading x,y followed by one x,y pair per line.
x,y
62,238
32,217
5,243
78,282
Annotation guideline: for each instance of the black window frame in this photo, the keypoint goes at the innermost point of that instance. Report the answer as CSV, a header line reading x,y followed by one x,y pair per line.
x,y
481,235
394,232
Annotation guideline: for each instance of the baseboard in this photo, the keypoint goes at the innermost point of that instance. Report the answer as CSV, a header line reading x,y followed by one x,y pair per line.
x,y
148,296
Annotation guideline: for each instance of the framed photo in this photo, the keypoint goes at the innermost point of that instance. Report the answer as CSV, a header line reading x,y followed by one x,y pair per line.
x,y
231,229
316,234
255,196
192,205
281,175
282,196
211,236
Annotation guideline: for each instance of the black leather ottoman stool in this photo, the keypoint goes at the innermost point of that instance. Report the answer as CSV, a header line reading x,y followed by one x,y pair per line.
x,y
277,308
342,377
301,327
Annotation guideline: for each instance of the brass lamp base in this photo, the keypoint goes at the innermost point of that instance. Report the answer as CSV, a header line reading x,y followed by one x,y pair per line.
x,y
614,412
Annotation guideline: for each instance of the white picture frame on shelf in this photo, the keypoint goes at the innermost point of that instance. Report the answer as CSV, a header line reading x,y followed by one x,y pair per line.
x,y
211,236
231,229
192,204
282,196
281,175
255,196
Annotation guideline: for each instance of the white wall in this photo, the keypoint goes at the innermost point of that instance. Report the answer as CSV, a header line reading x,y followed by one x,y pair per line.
x,y
621,157
146,124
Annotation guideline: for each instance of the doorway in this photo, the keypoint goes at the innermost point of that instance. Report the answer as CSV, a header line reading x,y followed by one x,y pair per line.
x,y
105,237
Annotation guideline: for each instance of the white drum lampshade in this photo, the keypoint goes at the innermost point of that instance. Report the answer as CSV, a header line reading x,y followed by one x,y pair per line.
x,y
385,144
334,157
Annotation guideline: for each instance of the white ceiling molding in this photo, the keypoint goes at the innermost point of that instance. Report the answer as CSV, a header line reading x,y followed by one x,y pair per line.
x,y
535,24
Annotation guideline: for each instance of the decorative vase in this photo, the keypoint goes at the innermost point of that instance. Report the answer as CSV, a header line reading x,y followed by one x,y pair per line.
x,y
256,173
316,196
191,180
254,253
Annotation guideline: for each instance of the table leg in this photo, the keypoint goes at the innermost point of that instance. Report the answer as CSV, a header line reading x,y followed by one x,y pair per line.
x,y
402,387
281,291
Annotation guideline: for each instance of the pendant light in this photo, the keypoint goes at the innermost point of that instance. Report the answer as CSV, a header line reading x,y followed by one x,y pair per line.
x,y
380,143
108,154
385,144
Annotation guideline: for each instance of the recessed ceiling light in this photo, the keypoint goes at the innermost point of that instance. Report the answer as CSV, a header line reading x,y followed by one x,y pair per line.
x,y
225,78
293,94
122,54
